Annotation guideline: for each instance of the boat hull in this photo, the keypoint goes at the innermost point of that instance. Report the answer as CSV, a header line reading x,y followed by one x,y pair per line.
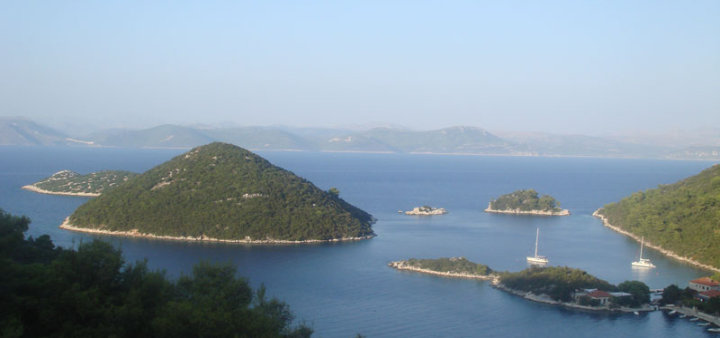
x,y
537,260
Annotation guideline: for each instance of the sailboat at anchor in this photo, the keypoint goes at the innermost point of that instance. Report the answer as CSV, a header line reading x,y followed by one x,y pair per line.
x,y
642,262
537,260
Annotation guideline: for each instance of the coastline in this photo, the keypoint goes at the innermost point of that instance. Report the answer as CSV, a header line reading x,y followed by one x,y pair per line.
x,y
400,265
33,188
665,252
496,283
542,298
66,225
563,212
693,312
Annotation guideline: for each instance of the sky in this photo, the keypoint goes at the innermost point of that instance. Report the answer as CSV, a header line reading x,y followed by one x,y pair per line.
x,y
553,66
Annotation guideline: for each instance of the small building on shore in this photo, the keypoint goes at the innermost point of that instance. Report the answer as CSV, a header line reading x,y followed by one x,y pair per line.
x,y
704,284
707,295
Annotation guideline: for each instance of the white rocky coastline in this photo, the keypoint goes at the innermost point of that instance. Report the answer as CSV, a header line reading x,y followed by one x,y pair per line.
x,y
34,188
402,265
426,211
563,212
135,233
656,247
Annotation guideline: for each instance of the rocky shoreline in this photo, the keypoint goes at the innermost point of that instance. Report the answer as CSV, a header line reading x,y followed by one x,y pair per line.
x,y
693,312
547,300
563,212
496,283
33,188
402,265
656,247
426,211
66,225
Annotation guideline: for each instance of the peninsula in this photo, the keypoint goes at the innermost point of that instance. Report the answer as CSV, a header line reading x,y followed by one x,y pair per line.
x,y
679,219
221,192
561,286
70,183
426,211
526,202
458,267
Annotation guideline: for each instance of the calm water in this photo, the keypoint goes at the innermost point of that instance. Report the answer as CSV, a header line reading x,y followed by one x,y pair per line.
x,y
345,289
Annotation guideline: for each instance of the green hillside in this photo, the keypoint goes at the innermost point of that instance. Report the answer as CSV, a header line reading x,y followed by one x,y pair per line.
x,y
683,217
70,182
223,191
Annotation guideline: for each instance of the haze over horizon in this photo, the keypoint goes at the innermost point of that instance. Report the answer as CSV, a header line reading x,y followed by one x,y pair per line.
x,y
558,67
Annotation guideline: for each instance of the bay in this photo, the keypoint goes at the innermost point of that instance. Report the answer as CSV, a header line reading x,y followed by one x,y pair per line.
x,y
346,288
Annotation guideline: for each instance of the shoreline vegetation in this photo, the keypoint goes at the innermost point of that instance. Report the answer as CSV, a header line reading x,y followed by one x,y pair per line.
x,y
66,225
90,290
406,266
70,183
526,202
460,267
33,188
665,252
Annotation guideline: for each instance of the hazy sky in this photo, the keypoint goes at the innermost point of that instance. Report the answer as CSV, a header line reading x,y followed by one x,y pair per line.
x,y
568,67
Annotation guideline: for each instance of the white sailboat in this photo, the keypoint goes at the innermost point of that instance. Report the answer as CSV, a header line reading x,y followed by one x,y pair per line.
x,y
537,260
642,262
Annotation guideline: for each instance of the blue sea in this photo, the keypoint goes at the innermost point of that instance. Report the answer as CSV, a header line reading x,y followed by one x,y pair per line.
x,y
347,288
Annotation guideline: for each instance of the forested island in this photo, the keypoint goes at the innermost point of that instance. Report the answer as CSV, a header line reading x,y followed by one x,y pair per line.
x,y
451,267
48,291
221,192
563,286
526,202
70,183
679,219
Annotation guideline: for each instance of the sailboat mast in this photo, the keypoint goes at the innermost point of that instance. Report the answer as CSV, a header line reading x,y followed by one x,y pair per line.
x,y
536,240
642,242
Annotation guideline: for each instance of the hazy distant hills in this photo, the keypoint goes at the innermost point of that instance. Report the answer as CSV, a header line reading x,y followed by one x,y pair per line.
x,y
18,131
453,140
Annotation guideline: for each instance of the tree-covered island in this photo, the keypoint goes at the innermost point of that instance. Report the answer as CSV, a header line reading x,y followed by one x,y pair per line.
x,y
221,192
70,183
451,267
526,202
680,220
563,286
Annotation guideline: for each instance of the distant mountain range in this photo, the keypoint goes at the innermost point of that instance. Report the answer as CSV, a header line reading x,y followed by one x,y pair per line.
x,y
453,140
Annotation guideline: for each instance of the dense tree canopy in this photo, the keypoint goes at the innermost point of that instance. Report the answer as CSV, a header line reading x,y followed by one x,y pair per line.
x,y
94,183
92,292
525,200
683,217
226,192
557,282
640,293
454,264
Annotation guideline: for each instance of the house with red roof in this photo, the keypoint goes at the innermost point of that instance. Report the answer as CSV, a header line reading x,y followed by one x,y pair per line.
x,y
599,295
704,284
707,295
